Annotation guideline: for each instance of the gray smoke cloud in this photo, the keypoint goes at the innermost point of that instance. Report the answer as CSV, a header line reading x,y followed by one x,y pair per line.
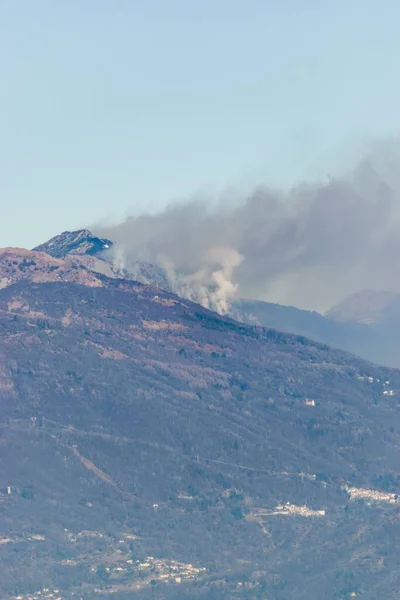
x,y
309,246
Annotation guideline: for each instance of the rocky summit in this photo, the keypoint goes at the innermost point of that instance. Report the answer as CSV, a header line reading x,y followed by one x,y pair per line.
x,y
151,448
75,242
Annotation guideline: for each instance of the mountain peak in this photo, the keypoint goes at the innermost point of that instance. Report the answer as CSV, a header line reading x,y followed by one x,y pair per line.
x,y
80,242
84,243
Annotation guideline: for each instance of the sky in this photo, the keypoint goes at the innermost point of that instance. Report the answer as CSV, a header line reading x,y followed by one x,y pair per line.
x,y
116,107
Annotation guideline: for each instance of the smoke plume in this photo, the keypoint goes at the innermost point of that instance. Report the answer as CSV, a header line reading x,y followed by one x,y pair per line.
x,y
309,246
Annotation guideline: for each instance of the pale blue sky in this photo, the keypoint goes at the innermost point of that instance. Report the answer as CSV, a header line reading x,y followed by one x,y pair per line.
x,y
108,106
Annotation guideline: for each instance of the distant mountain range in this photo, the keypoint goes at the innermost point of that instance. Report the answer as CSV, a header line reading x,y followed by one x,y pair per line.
x,y
367,323
151,448
370,307
377,340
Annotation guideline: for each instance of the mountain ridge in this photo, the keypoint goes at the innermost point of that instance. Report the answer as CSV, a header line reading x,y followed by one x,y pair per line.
x,y
377,341
153,447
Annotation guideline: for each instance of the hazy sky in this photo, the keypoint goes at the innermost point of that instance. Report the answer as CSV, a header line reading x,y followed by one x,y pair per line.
x,y
109,106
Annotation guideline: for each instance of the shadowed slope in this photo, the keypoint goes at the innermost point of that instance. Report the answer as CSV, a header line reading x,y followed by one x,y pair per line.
x,y
139,427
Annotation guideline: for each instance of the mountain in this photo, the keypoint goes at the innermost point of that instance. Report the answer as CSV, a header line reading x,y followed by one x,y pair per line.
x,y
346,326
376,314
18,264
75,242
151,448
371,307
84,243
380,343
294,320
